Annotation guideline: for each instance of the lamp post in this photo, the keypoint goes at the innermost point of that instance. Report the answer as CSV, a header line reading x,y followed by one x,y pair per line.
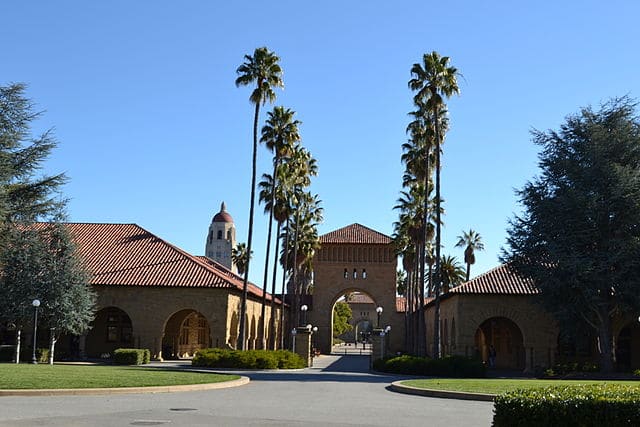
x,y
379,311
35,304
293,340
313,336
304,309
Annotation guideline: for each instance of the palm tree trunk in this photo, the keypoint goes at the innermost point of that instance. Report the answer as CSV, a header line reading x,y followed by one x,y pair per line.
x,y
285,269
245,284
266,262
468,270
272,319
296,294
436,322
264,283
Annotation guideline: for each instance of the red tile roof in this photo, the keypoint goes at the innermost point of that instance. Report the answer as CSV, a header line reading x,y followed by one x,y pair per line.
x,y
501,280
401,303
359,299
129,255
355,234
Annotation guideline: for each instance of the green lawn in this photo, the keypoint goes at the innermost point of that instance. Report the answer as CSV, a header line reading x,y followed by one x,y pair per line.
x,y
497,386
26,376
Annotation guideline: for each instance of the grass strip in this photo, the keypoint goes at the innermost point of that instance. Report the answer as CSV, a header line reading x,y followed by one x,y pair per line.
x,y
27,376
499,385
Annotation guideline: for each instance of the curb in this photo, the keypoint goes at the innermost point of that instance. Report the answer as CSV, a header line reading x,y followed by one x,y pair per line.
x,y
126,390
400,388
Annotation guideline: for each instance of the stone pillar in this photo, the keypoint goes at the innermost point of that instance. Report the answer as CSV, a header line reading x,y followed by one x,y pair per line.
x,y
378,344
303,344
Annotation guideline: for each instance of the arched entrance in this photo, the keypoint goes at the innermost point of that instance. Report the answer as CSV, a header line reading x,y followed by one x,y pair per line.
x,y
361,308
185,332
111,329
628,347
505,336
354,258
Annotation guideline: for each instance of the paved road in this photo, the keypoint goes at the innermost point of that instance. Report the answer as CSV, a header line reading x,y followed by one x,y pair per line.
x,y
337,391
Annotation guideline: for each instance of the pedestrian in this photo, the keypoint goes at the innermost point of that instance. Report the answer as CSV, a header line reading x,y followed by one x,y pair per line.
x,y
492,356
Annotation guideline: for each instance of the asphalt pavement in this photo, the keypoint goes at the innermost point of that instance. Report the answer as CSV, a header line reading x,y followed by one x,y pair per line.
x,y
336,391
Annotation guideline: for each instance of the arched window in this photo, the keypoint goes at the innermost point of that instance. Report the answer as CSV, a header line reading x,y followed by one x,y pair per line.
x,y
228,234
355,273
219,234
364,273
346,274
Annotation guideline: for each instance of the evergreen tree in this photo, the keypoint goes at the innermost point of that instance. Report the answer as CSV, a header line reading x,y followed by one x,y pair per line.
x,y
578,237
37,260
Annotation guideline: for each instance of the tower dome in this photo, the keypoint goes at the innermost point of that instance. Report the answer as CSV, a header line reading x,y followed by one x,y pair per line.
x,y
221,238
223,215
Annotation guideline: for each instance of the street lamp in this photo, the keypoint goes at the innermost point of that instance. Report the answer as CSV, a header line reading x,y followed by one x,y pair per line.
x,y
379,311
35,304
304,309
293,333
313,339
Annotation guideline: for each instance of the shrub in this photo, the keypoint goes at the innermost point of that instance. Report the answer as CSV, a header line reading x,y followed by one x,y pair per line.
x,y
7,353
449,366
588,405
131,356
250,359
636,373
26,354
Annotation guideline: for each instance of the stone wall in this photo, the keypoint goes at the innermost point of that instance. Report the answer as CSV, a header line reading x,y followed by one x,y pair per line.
x,y
150,308
462,315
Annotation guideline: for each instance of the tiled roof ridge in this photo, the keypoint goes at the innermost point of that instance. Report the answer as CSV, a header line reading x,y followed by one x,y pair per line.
x,y
339,233
224,277
502,279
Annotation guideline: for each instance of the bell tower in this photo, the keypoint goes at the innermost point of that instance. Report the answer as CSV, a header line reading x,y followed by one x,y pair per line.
x,y
221,238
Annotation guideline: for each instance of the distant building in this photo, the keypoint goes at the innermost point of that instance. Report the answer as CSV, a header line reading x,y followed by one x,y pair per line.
x,y
221,239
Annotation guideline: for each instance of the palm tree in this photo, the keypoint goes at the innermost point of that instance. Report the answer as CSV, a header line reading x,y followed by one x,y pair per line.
x,y
472,242
279,135
451,273
239,257
262,69
433,80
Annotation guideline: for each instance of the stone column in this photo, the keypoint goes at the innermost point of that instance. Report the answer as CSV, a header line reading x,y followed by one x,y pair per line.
x,y
303,344
378,344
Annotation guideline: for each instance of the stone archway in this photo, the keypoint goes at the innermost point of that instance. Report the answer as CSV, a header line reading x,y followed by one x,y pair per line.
x,y
354,258
506,337
111,329
185,332
363,315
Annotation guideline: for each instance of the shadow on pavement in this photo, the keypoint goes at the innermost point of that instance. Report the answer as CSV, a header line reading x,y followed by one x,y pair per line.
x,y
325,369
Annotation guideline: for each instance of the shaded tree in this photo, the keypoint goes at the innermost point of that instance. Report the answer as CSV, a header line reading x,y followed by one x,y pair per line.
x,y
341,316
578,237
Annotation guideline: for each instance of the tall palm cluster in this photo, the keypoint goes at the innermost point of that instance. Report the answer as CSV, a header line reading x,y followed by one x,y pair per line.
x,y
284,193
417,233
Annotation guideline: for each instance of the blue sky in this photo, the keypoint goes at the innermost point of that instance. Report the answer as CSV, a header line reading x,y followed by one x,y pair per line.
x,y
153,131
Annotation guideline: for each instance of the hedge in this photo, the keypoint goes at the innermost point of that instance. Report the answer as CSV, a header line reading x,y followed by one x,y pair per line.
x,y
250,359
448,366
131,356
608,405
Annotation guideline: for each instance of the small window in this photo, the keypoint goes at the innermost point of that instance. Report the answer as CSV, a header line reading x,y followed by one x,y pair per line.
x,y
355,273
346,274
228,234
219,234
364,273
